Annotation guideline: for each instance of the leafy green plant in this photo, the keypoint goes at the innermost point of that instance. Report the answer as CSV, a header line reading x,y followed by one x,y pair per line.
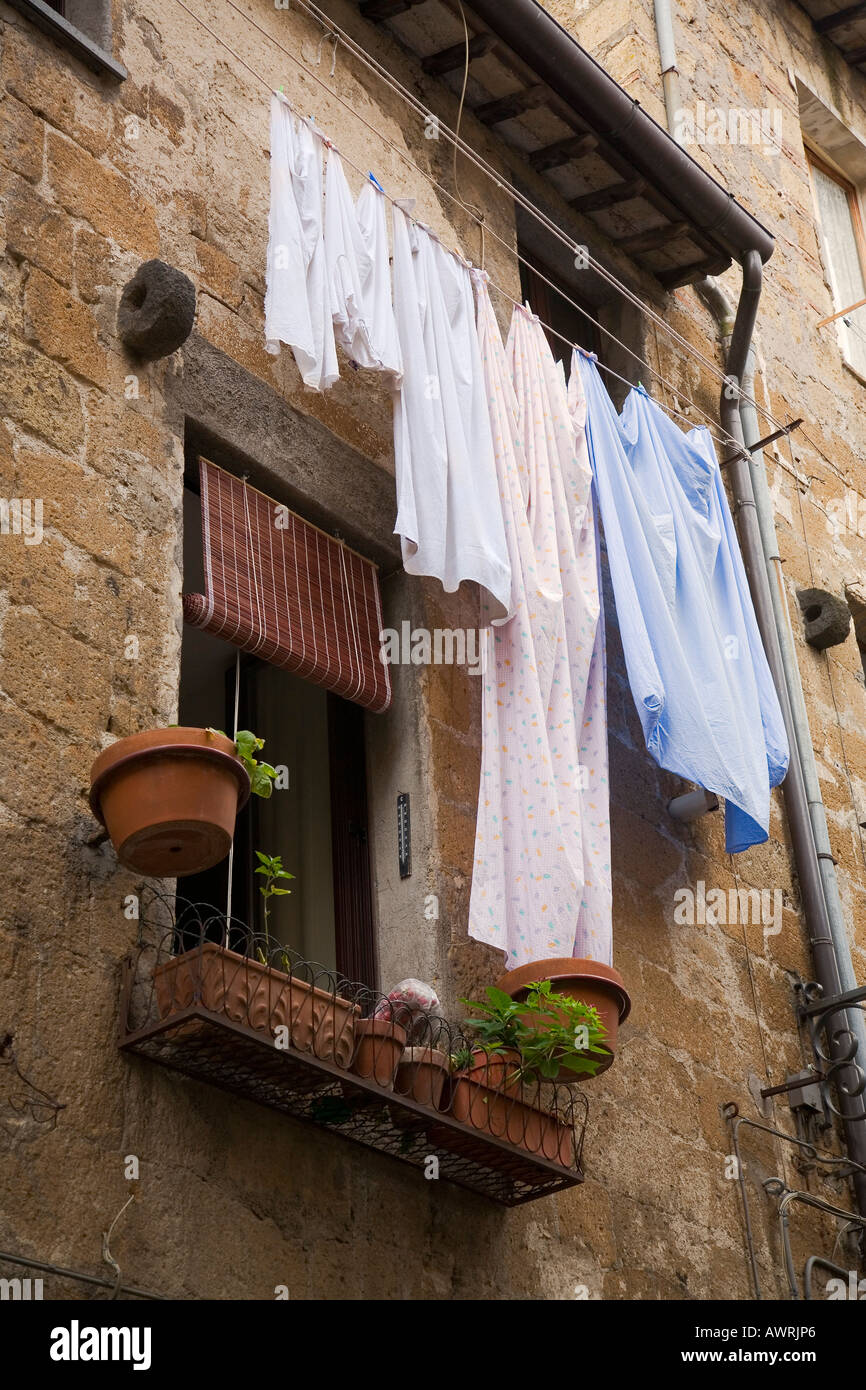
x,y
551,1031
262,775
271,866
461,1059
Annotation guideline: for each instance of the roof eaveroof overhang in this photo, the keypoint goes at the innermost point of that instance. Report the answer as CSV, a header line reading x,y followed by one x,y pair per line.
x,y
844,25
549,99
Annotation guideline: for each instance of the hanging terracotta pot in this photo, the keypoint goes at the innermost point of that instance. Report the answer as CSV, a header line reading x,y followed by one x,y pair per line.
x,y
379,1046
169,799
594,984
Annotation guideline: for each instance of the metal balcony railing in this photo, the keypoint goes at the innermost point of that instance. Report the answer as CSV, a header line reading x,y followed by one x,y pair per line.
x,y
206,997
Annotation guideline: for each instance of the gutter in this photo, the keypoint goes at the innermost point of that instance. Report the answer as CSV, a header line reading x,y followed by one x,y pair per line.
x,y
570,72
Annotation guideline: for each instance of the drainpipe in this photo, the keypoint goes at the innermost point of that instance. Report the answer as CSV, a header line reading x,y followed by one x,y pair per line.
x,y
719,304
809,832
797,801
668,56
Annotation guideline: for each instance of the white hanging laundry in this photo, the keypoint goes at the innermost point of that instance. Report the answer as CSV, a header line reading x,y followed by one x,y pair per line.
x,y
541,882
359,272
297,299
449,515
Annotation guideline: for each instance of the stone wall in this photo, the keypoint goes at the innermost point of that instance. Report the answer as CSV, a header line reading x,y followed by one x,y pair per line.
x,y
232,1199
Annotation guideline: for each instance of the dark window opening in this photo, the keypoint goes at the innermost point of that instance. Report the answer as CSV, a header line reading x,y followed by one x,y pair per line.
x,y
552,306
315,820
58,5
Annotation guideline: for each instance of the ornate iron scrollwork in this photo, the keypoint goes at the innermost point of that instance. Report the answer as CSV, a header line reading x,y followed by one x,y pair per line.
x,y
834,1043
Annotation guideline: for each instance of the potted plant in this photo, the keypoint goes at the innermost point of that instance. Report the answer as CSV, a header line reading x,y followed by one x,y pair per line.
x,y
517,1045
379,1044
532,1127
251,991
556,1037
421,1074
598,986
169,797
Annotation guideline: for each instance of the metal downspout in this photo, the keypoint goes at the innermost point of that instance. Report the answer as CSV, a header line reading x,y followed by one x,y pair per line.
x,y
670,70
817,811
794,789
788,682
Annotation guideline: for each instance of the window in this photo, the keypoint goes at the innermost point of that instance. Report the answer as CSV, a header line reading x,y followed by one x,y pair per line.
x,y
555,311
841,231
316,820
82,26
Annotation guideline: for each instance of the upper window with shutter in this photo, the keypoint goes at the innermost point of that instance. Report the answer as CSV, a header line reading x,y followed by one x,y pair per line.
x,y
838,208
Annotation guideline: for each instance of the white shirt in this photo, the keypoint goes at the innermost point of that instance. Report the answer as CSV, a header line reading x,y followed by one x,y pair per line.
x,y
297,300
449,514
359,272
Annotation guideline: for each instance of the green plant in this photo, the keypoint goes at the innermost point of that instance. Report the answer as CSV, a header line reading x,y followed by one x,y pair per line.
x,y
552,1032
461,1059
262,775
271,866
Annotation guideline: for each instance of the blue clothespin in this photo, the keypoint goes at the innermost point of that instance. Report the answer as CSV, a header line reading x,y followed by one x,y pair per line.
x,y
375,182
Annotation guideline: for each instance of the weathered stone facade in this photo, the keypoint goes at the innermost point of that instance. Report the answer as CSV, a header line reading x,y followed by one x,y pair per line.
x,y
97,176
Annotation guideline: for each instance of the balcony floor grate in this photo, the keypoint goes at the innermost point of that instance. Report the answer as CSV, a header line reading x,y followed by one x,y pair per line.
x,y
213,1048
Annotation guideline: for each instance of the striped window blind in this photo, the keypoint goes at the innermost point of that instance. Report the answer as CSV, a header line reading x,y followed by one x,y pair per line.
x,y
281,589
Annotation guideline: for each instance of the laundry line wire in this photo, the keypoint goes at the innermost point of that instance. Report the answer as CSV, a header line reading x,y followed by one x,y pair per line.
x,y
502,183
341,36
725,441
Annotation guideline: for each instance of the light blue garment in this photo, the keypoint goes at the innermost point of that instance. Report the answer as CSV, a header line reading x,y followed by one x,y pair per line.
x,y
695,661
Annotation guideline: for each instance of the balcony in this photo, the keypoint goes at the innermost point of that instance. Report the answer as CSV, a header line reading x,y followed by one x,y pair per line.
x,y
207,998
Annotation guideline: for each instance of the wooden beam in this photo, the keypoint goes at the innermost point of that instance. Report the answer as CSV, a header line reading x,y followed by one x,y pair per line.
x,y
651,239
835,21
572,147
677,275
386,9
609,197
451,59
505,108
856,55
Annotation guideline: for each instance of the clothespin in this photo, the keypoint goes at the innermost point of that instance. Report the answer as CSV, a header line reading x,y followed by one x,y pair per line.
x,y
374,181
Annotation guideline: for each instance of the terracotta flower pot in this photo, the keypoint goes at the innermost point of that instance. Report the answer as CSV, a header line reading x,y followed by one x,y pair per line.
x,y
500,1071
505,1117
421,1074
379,1045
597,985
260,997
169,798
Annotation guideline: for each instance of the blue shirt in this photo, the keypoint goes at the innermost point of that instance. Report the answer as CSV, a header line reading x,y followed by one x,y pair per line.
x,y
696,664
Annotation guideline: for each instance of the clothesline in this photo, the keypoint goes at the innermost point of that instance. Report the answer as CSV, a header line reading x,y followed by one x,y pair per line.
x,y
725,442
341,36
501,182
